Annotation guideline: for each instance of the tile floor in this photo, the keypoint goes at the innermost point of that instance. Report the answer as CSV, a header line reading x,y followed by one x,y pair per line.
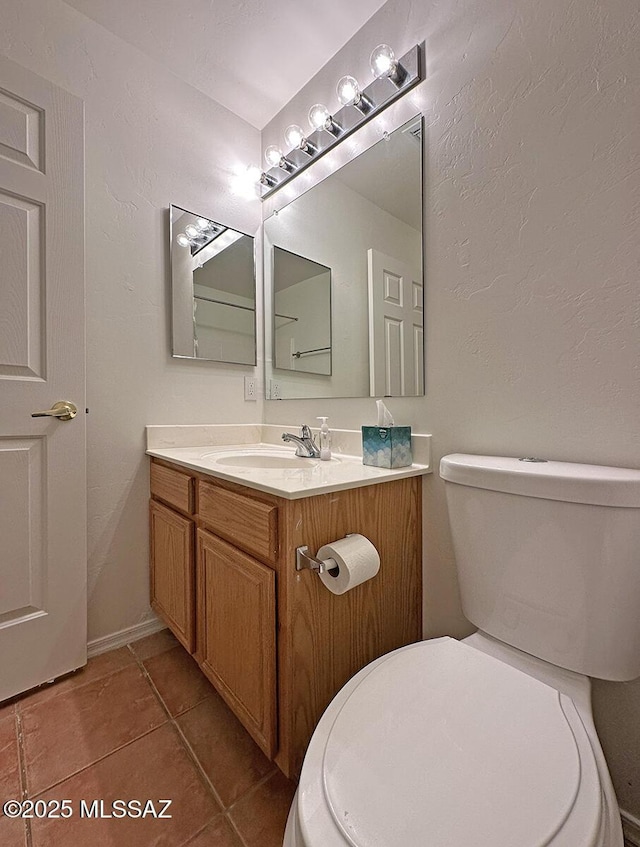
x,y
139,723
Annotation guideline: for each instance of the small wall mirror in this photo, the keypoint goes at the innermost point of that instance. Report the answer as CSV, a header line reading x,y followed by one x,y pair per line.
x,y
213,290
302,313
359,231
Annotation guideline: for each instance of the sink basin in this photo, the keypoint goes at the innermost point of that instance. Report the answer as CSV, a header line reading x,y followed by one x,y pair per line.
x,y
262,459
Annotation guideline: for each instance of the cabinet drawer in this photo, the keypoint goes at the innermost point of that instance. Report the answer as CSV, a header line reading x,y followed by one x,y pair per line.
x,y
172,486
249,524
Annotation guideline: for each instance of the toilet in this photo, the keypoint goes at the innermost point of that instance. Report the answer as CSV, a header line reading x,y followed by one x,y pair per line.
x,y
490,741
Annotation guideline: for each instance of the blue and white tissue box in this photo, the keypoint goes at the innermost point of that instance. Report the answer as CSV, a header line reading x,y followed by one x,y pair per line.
x,y
386,446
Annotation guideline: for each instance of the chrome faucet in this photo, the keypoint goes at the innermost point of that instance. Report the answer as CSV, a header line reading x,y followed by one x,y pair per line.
x,y
306,448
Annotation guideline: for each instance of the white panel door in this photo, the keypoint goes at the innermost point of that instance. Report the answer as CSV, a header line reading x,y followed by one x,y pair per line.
x,y
43,566
396,322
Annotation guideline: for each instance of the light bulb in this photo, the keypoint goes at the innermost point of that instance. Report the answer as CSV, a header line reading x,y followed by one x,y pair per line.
x,y
294,136
319,116
192,231
348,90
383,61
273,155
203,224
182,240
252,174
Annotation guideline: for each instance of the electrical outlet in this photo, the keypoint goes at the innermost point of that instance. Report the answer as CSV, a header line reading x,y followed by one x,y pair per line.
x,y
250,388
275,390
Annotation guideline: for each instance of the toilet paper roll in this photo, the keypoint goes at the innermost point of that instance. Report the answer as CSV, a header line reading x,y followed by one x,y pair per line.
x,y
350,561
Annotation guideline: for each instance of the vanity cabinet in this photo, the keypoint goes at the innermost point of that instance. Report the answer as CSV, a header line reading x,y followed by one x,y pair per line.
x,y
276,644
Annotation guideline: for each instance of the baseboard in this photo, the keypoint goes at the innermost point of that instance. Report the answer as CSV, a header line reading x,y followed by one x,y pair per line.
x,y
124,636
630,827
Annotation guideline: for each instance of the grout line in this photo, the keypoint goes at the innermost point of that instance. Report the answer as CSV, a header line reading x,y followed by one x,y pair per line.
x,y
156,693
253,788
199,767
22,760
22,763
233,826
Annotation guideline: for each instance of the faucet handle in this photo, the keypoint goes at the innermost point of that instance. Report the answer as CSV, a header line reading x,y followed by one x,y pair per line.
x,y
306,431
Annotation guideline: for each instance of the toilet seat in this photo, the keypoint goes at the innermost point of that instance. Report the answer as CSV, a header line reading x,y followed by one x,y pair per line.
x,y
440,743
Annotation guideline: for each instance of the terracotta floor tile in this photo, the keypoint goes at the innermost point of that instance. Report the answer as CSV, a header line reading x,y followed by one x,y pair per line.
x,y
6,708
179,681
9,761
228,755
72,730
219,833
154,644
96,668
155,767
12,831
261,816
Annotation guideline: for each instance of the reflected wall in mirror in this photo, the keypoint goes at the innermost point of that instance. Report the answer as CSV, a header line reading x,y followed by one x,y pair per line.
x,y
302,313
213,290
364,222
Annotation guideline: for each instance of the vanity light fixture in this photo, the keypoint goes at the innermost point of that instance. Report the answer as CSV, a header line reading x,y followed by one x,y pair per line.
x,y
393,78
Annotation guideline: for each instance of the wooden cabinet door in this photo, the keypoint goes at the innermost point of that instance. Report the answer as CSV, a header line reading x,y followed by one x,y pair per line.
x,y
237,634
173,571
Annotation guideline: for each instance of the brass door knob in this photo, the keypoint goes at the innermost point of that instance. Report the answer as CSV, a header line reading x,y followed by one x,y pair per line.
x,y
63,410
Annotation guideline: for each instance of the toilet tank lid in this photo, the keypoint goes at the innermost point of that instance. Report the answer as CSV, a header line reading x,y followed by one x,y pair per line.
x,y
563,481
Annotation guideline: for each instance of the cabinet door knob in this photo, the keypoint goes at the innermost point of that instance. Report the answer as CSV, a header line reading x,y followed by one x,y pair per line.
x,y
63,410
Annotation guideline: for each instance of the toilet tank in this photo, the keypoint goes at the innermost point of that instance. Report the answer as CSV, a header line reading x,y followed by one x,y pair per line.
x,y
548,558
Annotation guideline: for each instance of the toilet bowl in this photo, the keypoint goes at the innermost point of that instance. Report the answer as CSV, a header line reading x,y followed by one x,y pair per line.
x,y
452,744
490,741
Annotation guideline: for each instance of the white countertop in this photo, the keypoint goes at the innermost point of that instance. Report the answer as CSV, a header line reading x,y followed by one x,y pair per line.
x,y
312,477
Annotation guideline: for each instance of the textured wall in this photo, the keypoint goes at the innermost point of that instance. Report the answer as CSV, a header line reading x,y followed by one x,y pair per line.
x,y
532,256
150,141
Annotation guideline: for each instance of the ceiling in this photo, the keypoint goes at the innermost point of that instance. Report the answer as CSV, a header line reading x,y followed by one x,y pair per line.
x,y
251,56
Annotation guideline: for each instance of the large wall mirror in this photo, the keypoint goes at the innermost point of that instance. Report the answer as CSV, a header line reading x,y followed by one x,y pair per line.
x,y
213,290
343,271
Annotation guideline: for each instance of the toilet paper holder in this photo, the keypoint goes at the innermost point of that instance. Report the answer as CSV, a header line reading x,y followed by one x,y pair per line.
x,y
305,561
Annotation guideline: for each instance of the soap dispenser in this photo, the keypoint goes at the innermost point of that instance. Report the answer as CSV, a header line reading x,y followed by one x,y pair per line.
x,y
324,440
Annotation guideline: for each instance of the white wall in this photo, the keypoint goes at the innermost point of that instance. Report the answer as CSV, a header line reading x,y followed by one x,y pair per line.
x,y
531,259
151,140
